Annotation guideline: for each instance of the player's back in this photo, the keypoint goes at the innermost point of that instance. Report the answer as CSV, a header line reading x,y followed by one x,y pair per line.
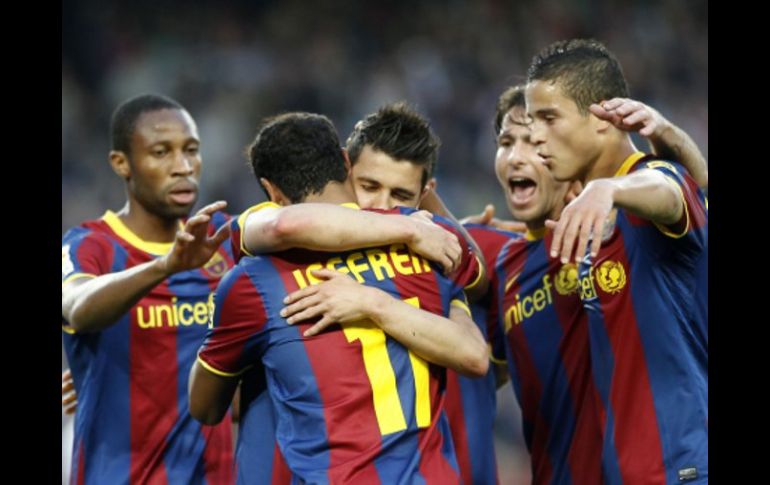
x,y
352,404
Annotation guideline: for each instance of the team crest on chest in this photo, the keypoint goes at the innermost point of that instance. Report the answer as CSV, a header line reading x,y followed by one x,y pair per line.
x,y
217,266
611,276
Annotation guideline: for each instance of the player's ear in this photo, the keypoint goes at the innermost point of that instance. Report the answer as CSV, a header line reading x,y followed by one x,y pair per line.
x,y
429,186
120,164
348,166
274,193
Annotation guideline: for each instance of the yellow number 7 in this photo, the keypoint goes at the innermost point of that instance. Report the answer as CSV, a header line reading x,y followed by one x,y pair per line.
x,y
387,404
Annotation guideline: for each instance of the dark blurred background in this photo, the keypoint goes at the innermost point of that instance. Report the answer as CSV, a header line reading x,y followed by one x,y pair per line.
x,y
232,63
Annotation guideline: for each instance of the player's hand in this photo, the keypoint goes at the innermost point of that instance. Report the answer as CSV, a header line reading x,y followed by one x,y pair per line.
x,y
193,247
631,115
487,218
338,299
69,398
435,243
583,219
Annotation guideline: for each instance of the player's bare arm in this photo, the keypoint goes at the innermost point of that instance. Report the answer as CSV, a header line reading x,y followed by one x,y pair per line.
x,y
453,342
647,193
330,227
92,304
210,394
666,139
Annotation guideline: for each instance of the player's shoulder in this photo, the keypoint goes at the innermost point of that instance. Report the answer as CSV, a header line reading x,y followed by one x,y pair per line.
x,y
487,230
237,276
94,230
654,162
219,218
523,243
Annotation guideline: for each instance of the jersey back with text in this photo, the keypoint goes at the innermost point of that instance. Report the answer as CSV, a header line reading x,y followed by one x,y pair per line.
x,y
350,404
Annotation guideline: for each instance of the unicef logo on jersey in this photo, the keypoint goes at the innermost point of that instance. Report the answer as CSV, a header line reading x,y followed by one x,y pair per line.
x,y
586,287
216,267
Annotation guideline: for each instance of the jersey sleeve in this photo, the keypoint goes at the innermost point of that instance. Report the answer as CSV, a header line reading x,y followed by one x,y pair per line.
x,y
234,341
237,233
491,241
219,219
470,272
459,300
695,213
85,254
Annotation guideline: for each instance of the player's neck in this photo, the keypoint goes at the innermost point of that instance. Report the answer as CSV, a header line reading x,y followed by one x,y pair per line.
x,y
147,226
611,158
334,193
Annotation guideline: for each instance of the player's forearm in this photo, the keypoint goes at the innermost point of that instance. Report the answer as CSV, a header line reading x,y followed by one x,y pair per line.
x,y
674,143
90,305
456,344
325,227
647,194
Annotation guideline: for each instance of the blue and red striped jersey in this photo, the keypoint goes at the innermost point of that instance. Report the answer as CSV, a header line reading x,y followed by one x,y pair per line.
x,y
546,338
645,299
350,404
471,402
132,423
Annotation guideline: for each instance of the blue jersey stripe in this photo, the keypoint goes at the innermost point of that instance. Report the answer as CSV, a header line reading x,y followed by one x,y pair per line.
x,y
186,454
256,437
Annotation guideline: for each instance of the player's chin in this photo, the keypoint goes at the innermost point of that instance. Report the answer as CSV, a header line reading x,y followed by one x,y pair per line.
x,y
526,214
179,210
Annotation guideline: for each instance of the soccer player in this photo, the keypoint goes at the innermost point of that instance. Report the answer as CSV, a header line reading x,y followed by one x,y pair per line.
x,y
136,291
545,336
640,278
352,403
393,153
540,315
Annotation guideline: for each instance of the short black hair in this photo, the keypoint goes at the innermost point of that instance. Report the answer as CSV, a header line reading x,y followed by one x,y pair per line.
x,y
400,132
513,96
124,117
298,152
586,70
